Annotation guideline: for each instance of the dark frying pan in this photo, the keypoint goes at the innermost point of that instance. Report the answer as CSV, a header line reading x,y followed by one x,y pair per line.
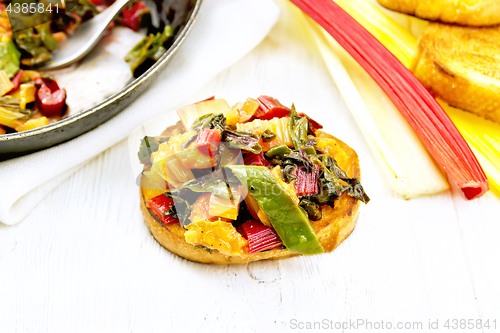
x,y
181,14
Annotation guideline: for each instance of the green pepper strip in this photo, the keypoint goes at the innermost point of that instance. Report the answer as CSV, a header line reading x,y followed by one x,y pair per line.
x,y
281,151
288,219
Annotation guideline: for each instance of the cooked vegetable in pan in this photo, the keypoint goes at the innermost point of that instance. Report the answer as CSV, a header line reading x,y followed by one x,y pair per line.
x,y
31,99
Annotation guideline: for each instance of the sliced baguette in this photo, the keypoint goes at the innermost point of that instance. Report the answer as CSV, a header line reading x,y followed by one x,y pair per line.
x,y
463,12
462,66
335,226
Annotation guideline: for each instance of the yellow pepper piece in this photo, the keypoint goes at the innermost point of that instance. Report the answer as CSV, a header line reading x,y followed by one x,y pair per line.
x,y
335,151
190,113
151,193
223,207
26,93
32,124
218,235
246,110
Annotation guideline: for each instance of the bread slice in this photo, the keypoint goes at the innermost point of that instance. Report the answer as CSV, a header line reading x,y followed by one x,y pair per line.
x,y
463,12
462,66
335,226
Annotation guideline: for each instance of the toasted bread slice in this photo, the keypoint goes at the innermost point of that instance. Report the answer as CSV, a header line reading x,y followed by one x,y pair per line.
x,y
464,12
462,66
332,229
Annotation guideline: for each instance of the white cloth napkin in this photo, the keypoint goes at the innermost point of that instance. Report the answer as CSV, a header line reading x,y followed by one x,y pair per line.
x,y
225,31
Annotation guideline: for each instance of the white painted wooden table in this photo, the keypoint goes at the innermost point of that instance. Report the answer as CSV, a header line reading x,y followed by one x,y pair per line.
x,y
83,260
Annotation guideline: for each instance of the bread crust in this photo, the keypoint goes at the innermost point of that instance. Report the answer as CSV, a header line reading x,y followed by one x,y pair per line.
x,y
460,65
468,13
335,226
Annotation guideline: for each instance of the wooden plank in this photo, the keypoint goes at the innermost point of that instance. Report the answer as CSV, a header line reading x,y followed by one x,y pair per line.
x,y
479,224
84,260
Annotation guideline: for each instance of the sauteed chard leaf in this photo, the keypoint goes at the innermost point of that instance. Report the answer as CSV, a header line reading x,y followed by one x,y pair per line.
x,y
312,209
210,121
217,183
298,127
148,146
244,141
355,189
150,47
